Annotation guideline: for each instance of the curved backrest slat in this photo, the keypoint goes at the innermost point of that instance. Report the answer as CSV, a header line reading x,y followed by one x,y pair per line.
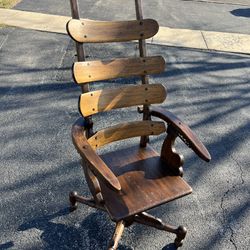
x,y
89,31
126,130
85,72
103,100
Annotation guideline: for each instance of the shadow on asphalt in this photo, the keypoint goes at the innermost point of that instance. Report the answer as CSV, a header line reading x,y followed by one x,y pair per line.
x,y
6,245
241,12
61,236
170,246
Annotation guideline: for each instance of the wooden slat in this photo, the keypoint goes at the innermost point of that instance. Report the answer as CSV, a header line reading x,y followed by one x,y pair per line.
x,y
86,31
91,71
124,131
107,99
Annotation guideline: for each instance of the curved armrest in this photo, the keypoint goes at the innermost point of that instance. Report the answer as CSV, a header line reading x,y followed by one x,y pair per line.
x,y
183,131
96,164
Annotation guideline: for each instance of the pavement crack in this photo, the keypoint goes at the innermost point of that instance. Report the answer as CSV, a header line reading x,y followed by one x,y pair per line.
x,y
61,62
225,221
241,170
204,39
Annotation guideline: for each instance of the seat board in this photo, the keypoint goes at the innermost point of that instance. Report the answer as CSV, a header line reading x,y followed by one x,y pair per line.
x,y
144,179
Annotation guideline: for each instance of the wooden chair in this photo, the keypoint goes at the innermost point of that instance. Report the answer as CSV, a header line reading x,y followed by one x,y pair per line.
x,y
127,183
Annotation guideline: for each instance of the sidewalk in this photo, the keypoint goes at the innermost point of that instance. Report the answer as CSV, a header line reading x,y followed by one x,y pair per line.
x,y
206,40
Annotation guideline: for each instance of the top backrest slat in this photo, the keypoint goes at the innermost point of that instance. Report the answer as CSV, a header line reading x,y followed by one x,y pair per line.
x,y
89,31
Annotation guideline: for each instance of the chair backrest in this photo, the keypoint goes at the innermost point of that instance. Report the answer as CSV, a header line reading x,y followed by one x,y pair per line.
x,y
85,72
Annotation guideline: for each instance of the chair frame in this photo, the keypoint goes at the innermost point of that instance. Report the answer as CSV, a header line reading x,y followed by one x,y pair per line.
x,y
95,169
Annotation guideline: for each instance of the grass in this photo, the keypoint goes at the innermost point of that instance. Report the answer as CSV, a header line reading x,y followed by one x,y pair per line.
x,y
8,3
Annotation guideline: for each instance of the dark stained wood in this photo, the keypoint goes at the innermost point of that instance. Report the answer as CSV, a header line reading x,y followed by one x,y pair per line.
x,y
93,183
131,95
145,181
92,71
75,198
89,31
88,155
169,155
183,131
149,220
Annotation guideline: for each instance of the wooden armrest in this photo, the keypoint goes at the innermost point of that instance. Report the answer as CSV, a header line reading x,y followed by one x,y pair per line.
x,y
96,164
183,131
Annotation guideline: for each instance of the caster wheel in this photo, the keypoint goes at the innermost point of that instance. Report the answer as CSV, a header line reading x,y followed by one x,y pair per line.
x,y
178,243
181,234
72,200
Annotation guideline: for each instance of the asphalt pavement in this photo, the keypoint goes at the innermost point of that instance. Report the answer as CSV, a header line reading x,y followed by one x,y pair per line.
x,y
38,101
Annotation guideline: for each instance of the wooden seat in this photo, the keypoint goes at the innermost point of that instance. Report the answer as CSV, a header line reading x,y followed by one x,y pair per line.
x,y
127,182
145,179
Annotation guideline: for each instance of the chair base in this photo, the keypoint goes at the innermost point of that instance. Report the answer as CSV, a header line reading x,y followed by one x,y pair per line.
x,y
141,218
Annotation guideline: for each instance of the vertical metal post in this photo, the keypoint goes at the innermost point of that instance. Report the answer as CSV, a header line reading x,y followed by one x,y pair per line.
x,y
144,79
80,58
79,46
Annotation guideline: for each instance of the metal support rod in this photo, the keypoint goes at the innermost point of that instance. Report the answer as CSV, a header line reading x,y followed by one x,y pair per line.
x,y
79,46
81,58
144,79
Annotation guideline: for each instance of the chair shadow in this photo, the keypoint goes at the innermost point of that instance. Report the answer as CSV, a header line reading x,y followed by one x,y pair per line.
x,y
6,245
60,236
241,12
170,246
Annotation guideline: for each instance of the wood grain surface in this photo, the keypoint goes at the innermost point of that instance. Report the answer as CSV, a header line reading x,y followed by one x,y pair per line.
x,y
89,31
124,131
91,71
103,100
145,181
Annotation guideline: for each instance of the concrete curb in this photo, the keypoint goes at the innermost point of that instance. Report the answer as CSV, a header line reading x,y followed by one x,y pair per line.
x,y
207,40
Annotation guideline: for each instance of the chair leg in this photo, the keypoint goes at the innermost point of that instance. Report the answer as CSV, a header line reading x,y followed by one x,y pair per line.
x,y
117,235
74,198
149,220
72,201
